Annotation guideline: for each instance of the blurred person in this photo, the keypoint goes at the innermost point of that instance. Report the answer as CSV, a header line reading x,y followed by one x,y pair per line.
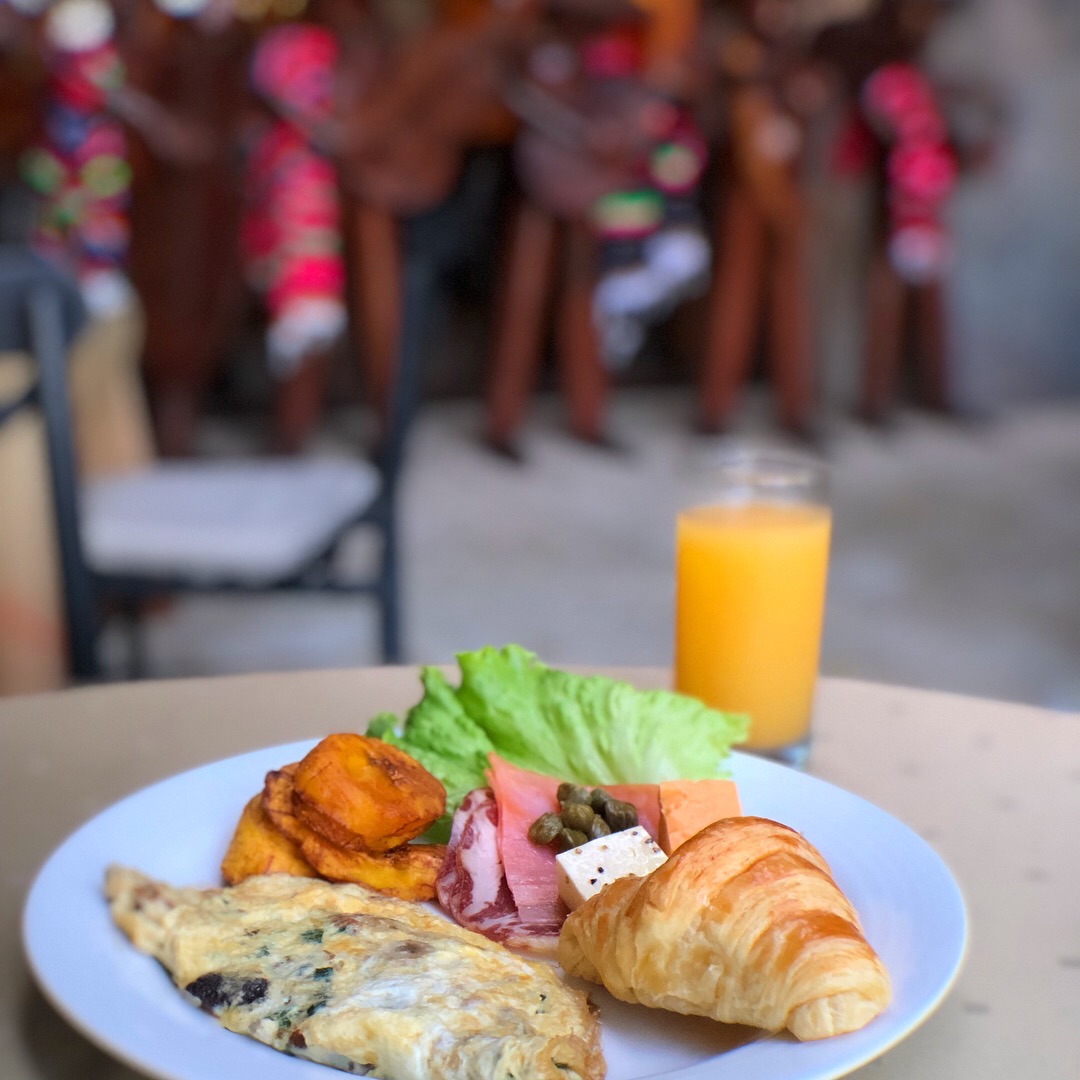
x,y
653,249
899,133
80,171
185,214
263,217
772,96
609,139
80,167
362,121
607,161
291,236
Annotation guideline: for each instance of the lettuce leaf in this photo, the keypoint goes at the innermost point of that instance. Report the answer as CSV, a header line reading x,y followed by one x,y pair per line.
x,y
585,728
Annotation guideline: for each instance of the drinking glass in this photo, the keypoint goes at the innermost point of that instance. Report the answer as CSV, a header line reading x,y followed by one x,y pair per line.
x,y
751,560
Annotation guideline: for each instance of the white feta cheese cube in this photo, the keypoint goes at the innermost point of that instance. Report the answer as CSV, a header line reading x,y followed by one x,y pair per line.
x,y
583,871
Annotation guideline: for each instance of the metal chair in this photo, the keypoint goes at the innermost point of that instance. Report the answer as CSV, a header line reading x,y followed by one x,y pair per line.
x,y
210,526
41,311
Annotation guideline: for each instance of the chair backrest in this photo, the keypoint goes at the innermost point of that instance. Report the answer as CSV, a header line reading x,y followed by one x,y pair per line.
x,y
41,311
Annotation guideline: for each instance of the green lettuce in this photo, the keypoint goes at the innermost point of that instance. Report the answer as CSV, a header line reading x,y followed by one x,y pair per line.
x,y
585,728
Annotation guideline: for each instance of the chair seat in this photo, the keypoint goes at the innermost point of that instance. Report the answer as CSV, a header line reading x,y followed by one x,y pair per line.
x,y
251,522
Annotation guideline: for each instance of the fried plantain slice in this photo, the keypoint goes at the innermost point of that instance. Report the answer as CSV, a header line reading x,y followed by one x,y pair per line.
x,y
408,872
257,847
277,802
364,794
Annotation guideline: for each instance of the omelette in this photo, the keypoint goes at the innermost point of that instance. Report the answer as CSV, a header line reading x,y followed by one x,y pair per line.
x,y
347,977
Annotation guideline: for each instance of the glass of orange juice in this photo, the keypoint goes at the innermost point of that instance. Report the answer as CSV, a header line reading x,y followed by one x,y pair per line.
x,y
751,560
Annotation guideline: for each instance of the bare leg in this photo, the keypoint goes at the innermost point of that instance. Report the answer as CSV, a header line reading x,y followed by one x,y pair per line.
x,y
584,379
791,346
185,260
934,388
519,321
176,408
374,297
298,403
884,346
733,309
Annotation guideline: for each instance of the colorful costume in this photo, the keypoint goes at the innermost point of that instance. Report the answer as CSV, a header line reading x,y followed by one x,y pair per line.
x,y
79,166
292,231
653,251
899,116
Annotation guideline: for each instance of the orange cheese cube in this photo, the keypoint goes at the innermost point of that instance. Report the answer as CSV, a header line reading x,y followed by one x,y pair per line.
x,y
687,806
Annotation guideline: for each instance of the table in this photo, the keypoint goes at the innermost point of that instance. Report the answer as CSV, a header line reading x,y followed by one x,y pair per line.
x,y
994,787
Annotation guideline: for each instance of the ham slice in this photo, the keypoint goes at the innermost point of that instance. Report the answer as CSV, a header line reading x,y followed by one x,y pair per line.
x,y
522,796
530,869
472,888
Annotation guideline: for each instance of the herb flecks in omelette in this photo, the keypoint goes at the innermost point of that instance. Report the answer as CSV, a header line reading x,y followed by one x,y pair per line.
x,y
371,985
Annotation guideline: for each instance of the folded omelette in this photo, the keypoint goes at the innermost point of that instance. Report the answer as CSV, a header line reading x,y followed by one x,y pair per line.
x,y
349,978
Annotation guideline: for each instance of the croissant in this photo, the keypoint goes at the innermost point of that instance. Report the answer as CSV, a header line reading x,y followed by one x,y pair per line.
x,y
745,924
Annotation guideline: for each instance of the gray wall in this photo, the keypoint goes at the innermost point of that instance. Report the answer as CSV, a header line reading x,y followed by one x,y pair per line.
x,y
1016,287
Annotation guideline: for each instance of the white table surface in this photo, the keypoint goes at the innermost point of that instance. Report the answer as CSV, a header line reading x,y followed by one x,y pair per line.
x,y
994,787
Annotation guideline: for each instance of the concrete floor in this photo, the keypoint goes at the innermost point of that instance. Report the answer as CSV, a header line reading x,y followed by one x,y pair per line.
x,y
956,557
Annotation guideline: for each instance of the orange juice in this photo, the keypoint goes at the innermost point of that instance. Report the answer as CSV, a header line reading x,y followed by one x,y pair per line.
x,y
750,595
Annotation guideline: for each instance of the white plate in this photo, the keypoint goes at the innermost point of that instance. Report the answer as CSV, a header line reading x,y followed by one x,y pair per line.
x,y
177,830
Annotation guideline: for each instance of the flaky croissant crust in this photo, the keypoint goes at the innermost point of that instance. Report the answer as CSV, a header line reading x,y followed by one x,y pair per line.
x,y
745,924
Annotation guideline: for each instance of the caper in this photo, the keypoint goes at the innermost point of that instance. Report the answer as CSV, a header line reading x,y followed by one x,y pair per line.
x,y
570,838
620,815
598,827
545,828
598,799
577,816
571,793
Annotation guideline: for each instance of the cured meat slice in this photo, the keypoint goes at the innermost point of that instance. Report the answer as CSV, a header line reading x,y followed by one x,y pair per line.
x,y
530,868
472,886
